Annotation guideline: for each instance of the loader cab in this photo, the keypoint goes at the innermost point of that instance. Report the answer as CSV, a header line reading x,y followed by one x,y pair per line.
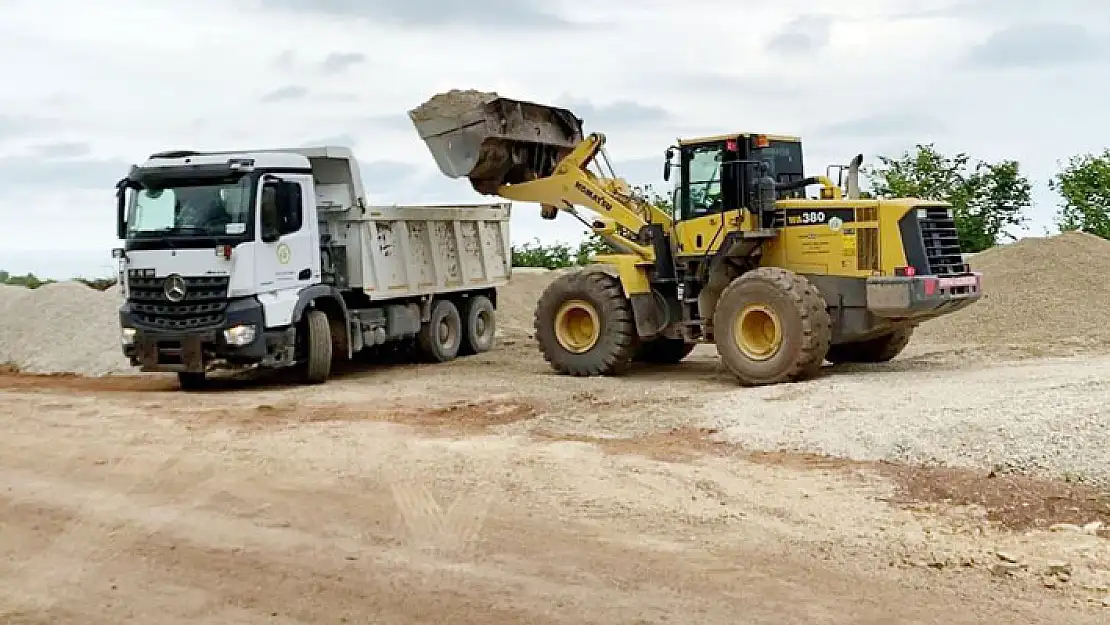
x,y
716,174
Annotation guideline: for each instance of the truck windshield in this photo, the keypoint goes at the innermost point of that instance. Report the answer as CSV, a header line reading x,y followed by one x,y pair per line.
x,y
203,208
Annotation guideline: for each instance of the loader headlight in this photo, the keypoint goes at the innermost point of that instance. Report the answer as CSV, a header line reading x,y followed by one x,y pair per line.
x,y
127,336
240,335
922,213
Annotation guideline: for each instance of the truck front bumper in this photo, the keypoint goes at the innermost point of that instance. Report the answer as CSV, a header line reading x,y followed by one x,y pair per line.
x,y
922,297
198,350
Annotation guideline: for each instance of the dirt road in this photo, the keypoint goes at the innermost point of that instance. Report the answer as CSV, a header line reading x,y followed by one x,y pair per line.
x,y
489,491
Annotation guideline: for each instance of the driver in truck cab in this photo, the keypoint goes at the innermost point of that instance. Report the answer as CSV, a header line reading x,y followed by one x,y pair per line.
x,y
202,208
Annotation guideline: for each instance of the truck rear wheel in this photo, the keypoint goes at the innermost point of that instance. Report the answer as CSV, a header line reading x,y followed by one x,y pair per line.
x,y
879,349
771,326
663,351
441,337
318,347
584,325
479,327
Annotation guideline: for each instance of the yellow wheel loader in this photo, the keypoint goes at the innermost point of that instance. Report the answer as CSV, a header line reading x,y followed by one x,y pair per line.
x,y
779,282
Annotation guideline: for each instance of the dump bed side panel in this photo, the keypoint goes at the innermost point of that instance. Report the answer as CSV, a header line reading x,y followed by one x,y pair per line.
x,y
419,250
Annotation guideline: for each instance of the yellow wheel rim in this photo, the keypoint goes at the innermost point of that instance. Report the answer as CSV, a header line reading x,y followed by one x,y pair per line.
x,y
577,326
757,332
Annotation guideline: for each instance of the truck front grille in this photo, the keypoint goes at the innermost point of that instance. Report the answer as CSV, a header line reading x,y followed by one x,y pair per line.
x,y
204,306
932,242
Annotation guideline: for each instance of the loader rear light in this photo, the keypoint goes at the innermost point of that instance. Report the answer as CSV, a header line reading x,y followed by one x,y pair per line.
x,y
931,285
730,146
906,272
761,141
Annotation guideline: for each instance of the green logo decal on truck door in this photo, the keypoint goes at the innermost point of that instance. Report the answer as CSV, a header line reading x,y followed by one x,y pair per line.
x,y
284,254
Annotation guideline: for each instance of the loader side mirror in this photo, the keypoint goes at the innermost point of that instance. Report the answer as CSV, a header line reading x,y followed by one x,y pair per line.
x,y
667,164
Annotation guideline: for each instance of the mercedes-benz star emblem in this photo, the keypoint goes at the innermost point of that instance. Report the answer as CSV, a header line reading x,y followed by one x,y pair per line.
x,y
174,288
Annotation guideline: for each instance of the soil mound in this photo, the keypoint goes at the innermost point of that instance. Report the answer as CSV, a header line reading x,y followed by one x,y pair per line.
x,y
1038,293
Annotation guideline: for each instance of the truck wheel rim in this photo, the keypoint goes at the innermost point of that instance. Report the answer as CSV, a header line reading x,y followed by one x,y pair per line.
x,y
446,333
577,326
481,323
757,332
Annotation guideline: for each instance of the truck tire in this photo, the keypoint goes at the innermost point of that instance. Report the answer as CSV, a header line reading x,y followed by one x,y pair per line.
x,y
441,338
192,381
772,326
663,351
584,325
318,347
479,327
880,349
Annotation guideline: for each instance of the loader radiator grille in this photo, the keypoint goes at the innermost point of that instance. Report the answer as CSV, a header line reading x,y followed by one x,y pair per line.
x,y
932,243
203,307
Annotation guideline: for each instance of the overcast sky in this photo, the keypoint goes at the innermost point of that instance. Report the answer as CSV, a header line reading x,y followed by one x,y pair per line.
x,y
90,87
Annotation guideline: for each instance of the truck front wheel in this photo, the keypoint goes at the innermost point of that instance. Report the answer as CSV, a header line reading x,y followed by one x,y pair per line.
x,y
318,347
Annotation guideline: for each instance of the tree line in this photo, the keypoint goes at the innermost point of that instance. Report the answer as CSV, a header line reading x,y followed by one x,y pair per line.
x,y
988,199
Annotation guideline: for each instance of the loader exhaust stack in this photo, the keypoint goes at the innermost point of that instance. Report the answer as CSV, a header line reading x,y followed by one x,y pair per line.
x,y
494,140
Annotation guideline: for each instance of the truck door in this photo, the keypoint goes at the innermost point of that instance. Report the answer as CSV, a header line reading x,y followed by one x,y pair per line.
x,y
288,257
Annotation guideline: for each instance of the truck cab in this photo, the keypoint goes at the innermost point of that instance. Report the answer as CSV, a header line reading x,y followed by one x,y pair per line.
x,y
227,255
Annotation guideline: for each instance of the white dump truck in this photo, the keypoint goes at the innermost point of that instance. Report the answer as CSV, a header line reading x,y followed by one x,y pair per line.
x,y
274,259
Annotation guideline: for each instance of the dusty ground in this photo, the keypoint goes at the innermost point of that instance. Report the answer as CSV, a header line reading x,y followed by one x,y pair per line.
x,y
489,491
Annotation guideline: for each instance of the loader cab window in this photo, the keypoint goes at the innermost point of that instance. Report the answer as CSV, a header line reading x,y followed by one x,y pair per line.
x,y
700,181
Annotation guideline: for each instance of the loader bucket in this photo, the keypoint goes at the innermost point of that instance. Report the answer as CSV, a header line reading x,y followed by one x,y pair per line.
x,y
493,140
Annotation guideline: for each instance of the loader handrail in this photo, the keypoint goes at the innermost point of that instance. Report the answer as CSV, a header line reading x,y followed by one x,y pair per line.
x,y
573,184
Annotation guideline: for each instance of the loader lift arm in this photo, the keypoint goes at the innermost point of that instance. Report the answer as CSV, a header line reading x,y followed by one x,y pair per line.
x,y
573,184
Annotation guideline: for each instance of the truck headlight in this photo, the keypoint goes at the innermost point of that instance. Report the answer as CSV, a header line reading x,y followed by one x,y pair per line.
x,y
241,335
127,336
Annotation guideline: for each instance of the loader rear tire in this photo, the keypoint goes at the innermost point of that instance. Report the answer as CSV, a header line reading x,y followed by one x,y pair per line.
x,y
318,348
584,325
772,326
879,349
663,351
441,337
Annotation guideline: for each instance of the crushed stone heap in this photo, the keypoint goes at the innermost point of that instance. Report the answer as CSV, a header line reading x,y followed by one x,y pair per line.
x,y
1048,291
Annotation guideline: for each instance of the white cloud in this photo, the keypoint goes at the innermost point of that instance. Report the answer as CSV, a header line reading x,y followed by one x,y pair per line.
x,y
117,80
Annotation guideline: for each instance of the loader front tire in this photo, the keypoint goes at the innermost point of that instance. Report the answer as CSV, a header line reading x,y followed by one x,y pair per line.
x,y
584,325
771,326
879,349
318,348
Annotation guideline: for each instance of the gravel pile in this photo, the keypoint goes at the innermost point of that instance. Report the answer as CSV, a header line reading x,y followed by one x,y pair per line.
x,y
61,328
1038,293
517,301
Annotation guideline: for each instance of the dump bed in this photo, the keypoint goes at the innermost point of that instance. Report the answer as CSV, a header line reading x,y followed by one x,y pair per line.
x,y
400,251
